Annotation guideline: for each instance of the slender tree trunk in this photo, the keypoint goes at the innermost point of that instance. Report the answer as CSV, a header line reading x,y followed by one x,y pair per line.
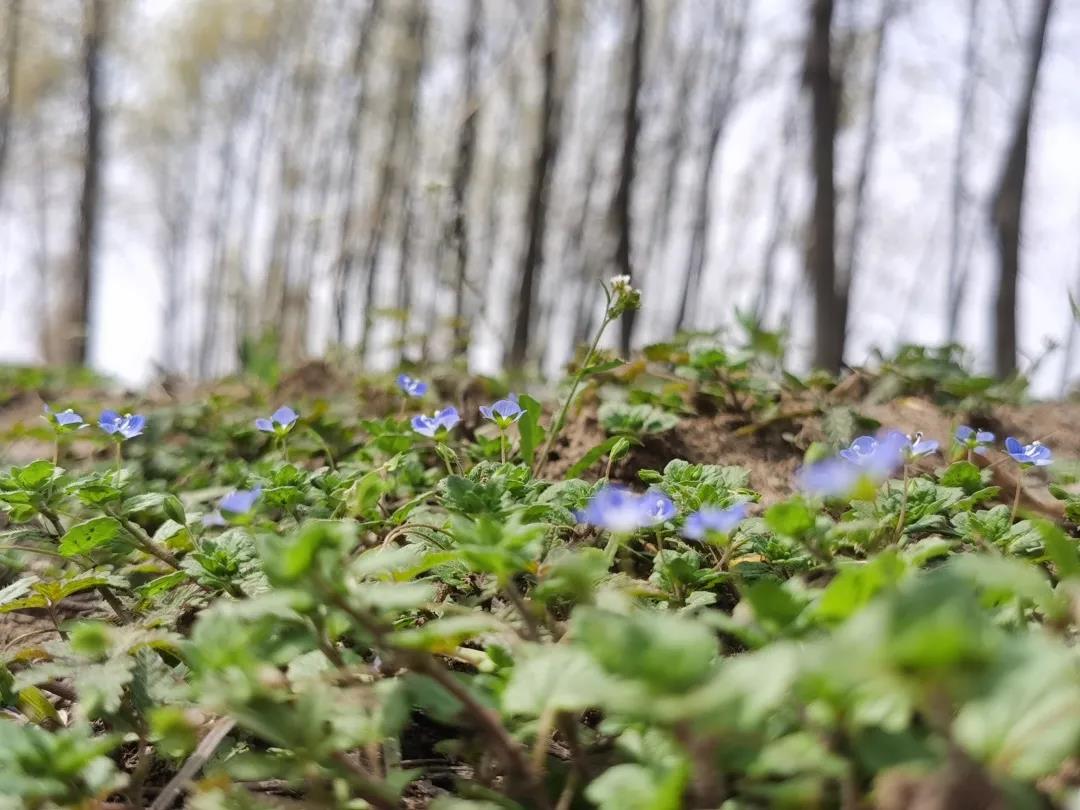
x,y
779,219
866,158
393,165
1007,206
459,235
734,37
821,80
957,271
539,191
343,266
7,101
622,208
75,348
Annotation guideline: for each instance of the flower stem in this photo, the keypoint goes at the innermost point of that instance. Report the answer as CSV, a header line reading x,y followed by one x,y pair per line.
x,y
119,456
557,425
1016,498
502,445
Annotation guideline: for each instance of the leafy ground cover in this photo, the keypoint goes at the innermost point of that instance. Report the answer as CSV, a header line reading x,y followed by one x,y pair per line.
x,y
704,583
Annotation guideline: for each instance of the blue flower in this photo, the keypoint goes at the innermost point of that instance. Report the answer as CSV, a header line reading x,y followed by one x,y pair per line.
x,y
622,511
440,422
280,422
411,387
710,519
237,502
64,421
1035,454
918,446
123,427
879,458
503,412
658,506
976,440
834,477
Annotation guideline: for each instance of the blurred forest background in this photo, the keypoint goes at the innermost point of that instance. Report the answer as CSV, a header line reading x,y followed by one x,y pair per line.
x,y
186,185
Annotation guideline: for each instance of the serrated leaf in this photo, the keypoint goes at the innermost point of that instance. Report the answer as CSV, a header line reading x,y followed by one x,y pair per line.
x,y
83,538
529,430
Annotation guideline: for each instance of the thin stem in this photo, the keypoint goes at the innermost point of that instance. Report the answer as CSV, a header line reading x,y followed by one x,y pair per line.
x,y
1016,498
903,506
502,445
532,630
119,456
557,425
146,543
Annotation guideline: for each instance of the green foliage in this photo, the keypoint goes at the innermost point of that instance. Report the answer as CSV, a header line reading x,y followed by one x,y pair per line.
x,y
389,613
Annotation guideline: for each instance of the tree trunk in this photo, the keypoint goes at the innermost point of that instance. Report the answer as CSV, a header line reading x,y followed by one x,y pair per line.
x,y
466,150
829,307
539,191
734,37
402,122
1007,206
343,266
11,66
866,158
74,350
622,208
957,270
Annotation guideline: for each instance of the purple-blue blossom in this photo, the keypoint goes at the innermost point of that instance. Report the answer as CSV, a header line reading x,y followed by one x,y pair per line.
x,y
972,439
410,386
280,422
123,427
918,446
658,506
503,412
237,502
64,420
621,511
439,422
712,520
879,457
1035,454
833,477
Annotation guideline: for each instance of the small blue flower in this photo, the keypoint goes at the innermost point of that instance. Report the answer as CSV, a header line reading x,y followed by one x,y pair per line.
x,y
440,422
280,422
972,439
617,510
411,387
657,506
710,519
834,477
64,421
918,446
1035,454
880,457
120,427
237,502
503,412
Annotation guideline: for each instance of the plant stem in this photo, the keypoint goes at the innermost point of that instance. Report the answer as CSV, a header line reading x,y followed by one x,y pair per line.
x,y
119,456
532,630
1016,498
557,425
903,506
502,445
146,543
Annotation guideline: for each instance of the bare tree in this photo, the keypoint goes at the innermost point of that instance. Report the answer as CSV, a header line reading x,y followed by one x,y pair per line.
x,y
824,86
1007,206
11,66
957,269
539,190
466,150
393,162
724,81
621,203
74,348
343,266
866,158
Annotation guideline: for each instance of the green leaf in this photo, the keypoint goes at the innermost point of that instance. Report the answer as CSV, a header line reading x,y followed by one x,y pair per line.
x,y
529,427
857,583
558,678
444,635
83,538
636,787
1061,549
790,518
773,605
592,456
964,475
